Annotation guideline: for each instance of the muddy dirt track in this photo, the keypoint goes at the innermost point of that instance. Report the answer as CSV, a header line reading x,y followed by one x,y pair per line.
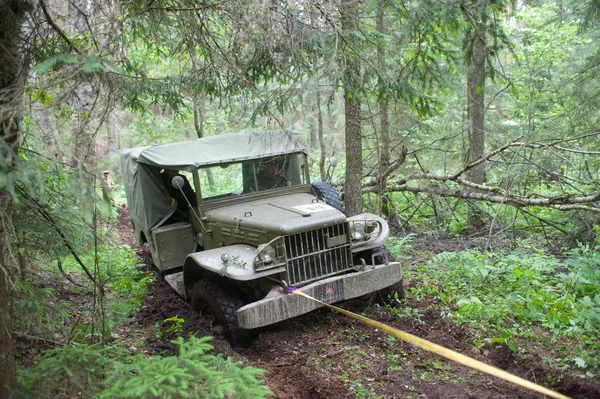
x,y
327,355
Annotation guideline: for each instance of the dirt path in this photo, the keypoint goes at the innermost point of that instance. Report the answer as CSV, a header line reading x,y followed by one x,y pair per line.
x,y
327,355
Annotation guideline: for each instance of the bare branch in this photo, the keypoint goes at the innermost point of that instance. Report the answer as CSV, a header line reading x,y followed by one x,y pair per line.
x,y
57,28
485,158
561,202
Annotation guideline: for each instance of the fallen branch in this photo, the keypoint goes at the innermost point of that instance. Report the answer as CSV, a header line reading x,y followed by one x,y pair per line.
x,y
561,202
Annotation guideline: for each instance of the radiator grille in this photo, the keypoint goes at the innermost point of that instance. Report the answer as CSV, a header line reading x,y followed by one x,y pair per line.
x,y
318,253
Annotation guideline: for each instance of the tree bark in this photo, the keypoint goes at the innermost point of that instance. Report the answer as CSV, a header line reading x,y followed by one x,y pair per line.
x,y
384,154
83,99
46,128
351,78
322,146
476,112
199,127
111,133
198,118
11,99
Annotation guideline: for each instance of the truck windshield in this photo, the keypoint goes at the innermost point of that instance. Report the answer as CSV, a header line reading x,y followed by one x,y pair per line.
x,y
253,176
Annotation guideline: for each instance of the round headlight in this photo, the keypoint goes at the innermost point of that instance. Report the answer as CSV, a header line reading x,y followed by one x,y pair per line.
x,y
267,254
357,231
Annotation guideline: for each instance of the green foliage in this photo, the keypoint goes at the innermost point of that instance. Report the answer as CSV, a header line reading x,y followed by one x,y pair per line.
x,y
174,324
524,287
91,371
88,64
35,310
58,206
235,262
400,245
193,373
71,371
125,280
519,293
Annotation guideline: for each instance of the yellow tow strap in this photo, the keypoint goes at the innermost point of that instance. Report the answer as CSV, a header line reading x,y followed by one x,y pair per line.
x,y
440,350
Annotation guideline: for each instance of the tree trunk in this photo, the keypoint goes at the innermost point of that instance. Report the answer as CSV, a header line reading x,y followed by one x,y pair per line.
x,y
83,100
199,127
7,349
476,113
46,128
313,130
351,77
111,133
198,118
321,138
384,155
11,98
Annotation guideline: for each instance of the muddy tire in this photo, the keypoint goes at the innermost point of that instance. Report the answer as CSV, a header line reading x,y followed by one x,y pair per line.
x,y
391,291
382,257
325,192
217,297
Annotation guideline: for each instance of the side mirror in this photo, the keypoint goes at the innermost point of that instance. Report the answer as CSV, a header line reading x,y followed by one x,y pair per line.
x,y
331,168
177,182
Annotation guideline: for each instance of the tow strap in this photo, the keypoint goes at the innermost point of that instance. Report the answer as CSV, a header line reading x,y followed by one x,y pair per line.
x,y
435,348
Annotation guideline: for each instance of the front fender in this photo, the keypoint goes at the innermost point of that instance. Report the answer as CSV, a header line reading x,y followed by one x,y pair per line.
x,y
240,266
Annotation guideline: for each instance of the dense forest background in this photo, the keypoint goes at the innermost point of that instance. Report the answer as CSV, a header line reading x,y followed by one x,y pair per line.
x,y
471,121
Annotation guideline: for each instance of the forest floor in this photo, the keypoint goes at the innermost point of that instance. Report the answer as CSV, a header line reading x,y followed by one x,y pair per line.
x,y
328,355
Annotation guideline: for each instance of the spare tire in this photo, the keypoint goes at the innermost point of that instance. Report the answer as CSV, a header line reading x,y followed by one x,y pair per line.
x,y
325,192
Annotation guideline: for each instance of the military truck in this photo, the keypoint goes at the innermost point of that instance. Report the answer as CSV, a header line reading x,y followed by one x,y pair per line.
x,y
251,223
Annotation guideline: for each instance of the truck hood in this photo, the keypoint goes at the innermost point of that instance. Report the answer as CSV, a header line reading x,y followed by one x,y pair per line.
x,y
281,215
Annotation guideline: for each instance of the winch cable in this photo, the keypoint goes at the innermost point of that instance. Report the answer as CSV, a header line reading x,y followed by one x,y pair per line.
x,y
435,348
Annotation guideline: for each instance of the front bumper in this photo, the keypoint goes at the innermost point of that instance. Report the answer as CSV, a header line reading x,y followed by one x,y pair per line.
x,y
279,306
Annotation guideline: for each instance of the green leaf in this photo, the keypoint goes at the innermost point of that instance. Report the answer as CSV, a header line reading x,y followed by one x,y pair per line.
x,y
44,66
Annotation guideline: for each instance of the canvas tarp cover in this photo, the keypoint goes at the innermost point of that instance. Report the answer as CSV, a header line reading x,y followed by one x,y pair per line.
x,y
192,155
147,196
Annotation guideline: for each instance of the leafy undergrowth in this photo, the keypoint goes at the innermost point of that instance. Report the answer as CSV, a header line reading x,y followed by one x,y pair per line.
x,y
523,296
541,307
73,341
110,371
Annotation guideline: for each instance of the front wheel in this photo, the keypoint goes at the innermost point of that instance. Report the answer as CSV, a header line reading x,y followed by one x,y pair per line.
x,y
381,256
219,298
388,294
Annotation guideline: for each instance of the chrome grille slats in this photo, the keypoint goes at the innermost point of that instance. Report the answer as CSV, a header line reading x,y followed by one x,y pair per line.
x,y
318,253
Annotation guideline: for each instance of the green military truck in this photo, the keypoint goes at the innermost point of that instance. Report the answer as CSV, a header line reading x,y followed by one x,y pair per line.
x,y
250,221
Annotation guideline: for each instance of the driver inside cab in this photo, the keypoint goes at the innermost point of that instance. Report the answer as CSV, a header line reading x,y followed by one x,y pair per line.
x,y
271,174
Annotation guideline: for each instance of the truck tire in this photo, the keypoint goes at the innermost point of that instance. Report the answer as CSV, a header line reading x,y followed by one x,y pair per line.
x,y
387,292
384,256
217,297
325,192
